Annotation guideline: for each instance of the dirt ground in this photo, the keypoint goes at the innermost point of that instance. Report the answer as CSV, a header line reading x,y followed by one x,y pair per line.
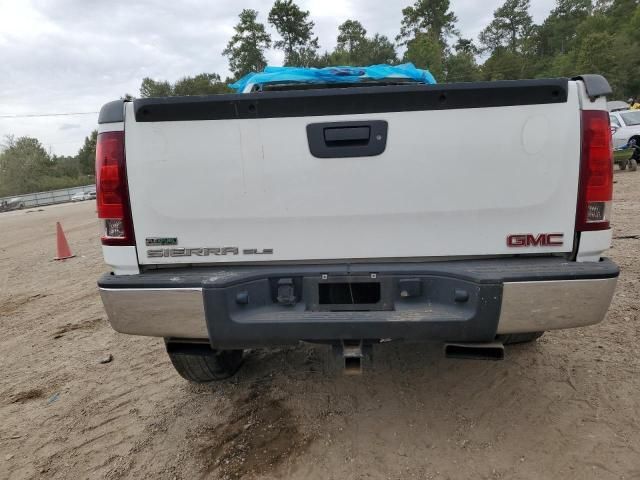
x,y
565,407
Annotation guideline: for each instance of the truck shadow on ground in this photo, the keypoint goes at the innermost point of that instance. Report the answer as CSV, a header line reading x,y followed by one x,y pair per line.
x,y
291,402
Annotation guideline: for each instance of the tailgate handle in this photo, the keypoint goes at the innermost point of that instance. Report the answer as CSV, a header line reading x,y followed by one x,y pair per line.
x,y
347,135
347,139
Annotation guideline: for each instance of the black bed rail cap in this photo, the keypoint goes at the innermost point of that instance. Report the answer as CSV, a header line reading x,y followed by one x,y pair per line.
x,y
112,112
352,100
595,85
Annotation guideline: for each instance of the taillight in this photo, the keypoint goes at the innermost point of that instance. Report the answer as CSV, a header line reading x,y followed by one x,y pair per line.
x,y
595,189
112,193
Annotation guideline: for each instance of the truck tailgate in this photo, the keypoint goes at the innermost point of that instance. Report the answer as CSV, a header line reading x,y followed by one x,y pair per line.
x,y
455,178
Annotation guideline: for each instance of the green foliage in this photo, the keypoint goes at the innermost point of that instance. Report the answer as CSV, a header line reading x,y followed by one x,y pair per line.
x,y
620,10
26,167
427,16
355,48
54,182
351,36
296,31
465,45
201,84
65,166
152,88
379,49
504,64
461,66
425,28
86,157
425,51
604,38
446,66
246,48
558,32
22,162
510,26
597,52
632,29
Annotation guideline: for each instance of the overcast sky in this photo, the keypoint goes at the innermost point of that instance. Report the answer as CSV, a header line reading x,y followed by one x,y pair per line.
x,y
60,56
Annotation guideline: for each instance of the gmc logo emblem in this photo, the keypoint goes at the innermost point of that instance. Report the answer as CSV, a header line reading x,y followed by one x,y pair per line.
x,y
531,240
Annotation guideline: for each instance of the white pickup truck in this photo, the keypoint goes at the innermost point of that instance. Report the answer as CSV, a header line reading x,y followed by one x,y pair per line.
x,y
356,215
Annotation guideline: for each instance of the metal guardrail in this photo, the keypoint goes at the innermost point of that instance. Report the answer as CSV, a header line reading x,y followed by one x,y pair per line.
x,y
38,199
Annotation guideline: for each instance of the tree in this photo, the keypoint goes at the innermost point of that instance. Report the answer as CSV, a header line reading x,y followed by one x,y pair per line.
x,y
599,52
618,10
559,30
351,36
65,166
296,31
510,25
86,157
246,48
424,30
633,26
355,48
201,84
378,50
23,162
425,51
427,16
465,45
153,88
503,64
462,66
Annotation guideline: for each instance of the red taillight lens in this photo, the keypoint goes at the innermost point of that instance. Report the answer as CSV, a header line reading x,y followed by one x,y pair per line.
x,y
112,194
595,189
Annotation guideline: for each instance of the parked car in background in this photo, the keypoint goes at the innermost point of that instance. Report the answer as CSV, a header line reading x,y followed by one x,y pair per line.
x,y
625,126
617,105
81,196
15,203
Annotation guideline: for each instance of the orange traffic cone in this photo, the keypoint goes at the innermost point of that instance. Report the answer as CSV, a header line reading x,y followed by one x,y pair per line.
x,y
63,247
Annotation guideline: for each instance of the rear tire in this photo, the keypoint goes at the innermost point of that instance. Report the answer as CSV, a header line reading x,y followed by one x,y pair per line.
x,y
623,165
633,165
199,363
514,338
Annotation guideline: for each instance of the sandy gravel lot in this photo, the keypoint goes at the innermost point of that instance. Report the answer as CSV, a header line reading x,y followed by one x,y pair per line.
x,y
565,407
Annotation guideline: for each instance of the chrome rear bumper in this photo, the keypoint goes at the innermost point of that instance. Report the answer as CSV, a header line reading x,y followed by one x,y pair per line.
x,y
156,312
551,305
182,305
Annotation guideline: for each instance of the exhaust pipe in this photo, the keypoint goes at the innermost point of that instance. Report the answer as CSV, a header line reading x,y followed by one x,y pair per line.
x,y
476,351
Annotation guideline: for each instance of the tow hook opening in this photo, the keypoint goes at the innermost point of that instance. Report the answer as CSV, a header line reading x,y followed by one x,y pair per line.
x,y
475,351
353,366
350,355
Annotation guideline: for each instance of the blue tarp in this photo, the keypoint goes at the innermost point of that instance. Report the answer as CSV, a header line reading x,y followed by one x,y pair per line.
x,y
333,75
